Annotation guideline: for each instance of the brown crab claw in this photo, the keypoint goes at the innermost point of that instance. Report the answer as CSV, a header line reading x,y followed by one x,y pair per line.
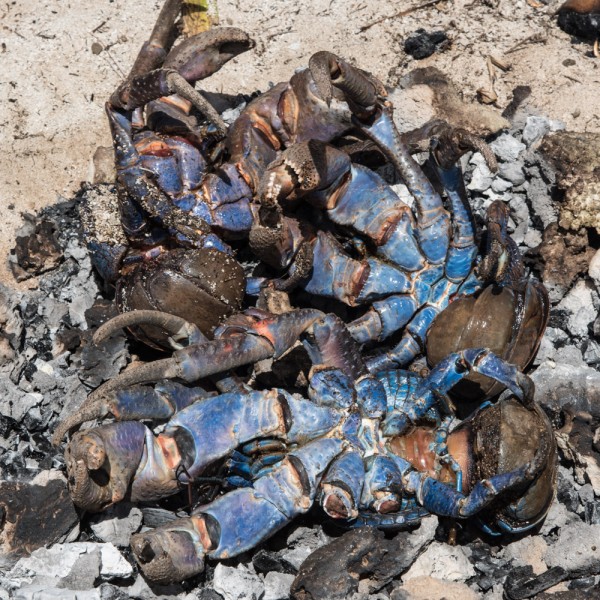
x,y
170,553
360,89
101,463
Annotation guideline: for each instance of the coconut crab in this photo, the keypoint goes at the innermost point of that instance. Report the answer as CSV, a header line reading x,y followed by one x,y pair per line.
x,y
349,446
282,154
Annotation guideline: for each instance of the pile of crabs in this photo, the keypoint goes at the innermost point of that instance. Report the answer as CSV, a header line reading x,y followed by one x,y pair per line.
x,y
240,244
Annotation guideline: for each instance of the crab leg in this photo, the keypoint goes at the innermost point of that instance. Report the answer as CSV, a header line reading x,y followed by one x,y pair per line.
x,y
194,59
446,375
449,145
433,221
442,499
238,520
125,459
254,337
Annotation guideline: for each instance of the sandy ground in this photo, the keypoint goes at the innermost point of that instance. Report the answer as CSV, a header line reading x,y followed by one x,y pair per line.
x,y
60,61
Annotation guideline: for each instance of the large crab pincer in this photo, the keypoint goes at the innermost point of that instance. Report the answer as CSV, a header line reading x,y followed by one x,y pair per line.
x,y
370,449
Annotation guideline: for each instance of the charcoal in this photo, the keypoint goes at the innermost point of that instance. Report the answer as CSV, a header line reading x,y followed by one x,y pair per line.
x,y
34,516
583,24
267,562
334,570
155,517
583,583
37,251
522,583
423,44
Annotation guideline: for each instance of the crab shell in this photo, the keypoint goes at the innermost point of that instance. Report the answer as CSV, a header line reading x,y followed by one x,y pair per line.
x,y
510,321
202,286
504,438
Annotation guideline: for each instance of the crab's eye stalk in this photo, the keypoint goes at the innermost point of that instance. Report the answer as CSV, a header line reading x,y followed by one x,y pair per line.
x,y
509,437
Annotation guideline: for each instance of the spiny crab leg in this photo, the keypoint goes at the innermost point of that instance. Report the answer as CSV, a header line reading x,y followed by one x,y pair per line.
x,y
244,339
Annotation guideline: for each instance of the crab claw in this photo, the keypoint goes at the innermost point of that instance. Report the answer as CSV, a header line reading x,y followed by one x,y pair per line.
x,y
101,463
194,59
173,552
361,90
450,143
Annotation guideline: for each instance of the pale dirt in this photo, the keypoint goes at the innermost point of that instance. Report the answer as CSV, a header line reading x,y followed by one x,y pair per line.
x,y
60,60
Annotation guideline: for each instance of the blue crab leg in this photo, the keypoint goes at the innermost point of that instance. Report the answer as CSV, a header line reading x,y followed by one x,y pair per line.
x,y
140,402
440,447
413,339
254,337
433,221
336,275
342,485
446,374
463,250
442,499
107,463
352,195
239,520
382,491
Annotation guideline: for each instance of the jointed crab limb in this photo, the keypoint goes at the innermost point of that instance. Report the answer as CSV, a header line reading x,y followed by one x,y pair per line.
x,y
502,263
179,329
247,339
359,89
126,459
446,374
440,499
194,59
433,220
237,521
154,50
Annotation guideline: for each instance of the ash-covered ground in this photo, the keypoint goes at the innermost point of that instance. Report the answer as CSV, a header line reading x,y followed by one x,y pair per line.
x,y
48,365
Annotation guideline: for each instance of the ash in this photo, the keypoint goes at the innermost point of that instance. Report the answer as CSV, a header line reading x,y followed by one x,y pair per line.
x,y
48,365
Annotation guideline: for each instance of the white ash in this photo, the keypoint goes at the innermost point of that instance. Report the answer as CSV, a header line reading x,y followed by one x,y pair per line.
x,y
117,524
441,561
237,583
